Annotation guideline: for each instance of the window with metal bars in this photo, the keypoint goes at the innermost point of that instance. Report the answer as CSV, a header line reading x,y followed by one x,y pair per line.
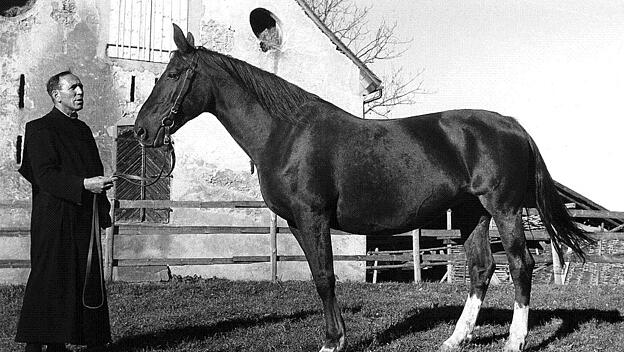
x,y
142,30
134,159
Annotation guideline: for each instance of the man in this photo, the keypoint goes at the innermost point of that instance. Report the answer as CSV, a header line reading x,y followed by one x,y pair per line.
x,y
64,302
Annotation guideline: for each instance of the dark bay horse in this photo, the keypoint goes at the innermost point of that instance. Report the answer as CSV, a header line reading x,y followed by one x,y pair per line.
x,y
320,168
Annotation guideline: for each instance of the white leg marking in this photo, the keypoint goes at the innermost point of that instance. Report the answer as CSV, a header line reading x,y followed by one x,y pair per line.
x,y
465,324
341,344
519,328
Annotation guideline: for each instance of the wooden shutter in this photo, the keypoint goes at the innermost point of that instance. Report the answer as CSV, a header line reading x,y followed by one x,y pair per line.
x,y
134,159
141,29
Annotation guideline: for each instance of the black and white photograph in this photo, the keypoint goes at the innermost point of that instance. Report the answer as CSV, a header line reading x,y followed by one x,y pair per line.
x,y
311,175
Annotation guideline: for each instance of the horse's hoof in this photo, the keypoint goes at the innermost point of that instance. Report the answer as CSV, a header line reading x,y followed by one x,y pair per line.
x,y
513,346
342,343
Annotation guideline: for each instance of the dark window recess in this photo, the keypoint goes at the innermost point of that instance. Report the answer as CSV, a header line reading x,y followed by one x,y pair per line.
x,y
132,158
18,150
132,87
20,91
265,27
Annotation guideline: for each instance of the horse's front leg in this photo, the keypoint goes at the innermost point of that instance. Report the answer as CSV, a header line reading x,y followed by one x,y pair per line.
x,y
313,236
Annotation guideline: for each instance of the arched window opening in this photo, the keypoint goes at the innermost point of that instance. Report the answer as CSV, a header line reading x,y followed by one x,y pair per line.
x,y
265,26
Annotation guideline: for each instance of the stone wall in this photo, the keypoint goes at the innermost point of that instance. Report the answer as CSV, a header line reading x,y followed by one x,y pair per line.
x,y
51,37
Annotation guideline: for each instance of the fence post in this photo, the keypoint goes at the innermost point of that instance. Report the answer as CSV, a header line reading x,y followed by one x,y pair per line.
x,y
109,240
557,270
110,232
273,243
416,255
375,263
449,266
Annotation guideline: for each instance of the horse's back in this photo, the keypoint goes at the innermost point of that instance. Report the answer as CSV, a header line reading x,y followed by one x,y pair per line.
x,y
451,144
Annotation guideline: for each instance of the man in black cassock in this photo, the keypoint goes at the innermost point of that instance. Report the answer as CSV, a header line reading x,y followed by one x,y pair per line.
x,y
63,302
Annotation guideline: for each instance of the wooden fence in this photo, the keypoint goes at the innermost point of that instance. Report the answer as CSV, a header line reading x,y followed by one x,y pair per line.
x,y
416,258
429,256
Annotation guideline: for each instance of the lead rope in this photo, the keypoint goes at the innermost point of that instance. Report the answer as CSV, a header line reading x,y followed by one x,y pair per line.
x,y
95,237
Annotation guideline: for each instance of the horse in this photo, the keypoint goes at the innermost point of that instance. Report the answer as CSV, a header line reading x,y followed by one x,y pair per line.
x,y
321,168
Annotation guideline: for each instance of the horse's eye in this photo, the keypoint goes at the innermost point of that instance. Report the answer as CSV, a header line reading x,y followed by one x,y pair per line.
x,y
173,75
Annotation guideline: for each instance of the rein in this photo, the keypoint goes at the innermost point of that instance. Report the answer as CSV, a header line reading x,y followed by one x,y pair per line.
x,y
94,238
166,123
151,179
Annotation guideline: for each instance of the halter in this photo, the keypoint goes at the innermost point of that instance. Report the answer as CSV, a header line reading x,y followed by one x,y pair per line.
x,y
166,123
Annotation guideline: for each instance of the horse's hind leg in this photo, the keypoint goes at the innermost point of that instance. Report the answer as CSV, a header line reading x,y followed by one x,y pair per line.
x,y
481,267
521,265
315,240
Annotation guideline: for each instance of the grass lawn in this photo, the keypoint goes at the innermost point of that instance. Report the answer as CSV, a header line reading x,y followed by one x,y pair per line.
x,y
221,315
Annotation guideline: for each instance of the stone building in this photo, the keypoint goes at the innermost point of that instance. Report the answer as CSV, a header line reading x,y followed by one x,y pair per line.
x,y
118,48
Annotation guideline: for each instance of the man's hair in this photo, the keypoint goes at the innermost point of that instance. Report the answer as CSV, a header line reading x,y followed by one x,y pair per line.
x,y
53,82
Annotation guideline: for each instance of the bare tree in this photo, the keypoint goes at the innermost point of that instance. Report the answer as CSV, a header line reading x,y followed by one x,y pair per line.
x,y
349,22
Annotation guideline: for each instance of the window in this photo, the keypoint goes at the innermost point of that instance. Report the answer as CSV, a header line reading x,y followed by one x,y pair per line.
x,y
265,26
142,30
134,159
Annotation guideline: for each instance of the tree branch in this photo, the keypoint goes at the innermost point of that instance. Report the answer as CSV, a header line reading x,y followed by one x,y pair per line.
x,y
398,90
349,23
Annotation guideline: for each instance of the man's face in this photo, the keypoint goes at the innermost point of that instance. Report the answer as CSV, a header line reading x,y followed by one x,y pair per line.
x,y
69,98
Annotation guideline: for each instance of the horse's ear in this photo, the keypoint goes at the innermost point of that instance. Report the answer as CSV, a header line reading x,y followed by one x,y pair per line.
x,y
179,40
190,39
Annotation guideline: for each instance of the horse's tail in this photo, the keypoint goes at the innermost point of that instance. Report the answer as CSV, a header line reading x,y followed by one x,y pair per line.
x,y
552,210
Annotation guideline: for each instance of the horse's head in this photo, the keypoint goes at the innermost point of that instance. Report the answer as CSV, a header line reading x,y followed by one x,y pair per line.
x,y
176,97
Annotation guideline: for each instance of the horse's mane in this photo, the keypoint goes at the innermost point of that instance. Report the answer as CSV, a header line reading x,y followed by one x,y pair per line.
x,y
277,96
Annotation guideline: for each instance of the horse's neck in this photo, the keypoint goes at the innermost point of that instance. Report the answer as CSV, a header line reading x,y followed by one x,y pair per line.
x,y
245,119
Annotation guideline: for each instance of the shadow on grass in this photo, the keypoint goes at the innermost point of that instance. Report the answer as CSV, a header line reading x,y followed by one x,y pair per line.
x,y
417,321
173,336
571,319
425,319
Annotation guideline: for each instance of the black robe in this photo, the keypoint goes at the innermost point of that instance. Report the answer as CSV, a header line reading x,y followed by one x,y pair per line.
x,y
59,153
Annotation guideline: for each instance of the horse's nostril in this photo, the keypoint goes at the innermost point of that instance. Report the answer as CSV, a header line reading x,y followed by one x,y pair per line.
x,y
139,133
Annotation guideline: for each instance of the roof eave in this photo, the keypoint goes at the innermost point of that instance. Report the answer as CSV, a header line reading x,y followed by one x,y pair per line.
x,y
373,82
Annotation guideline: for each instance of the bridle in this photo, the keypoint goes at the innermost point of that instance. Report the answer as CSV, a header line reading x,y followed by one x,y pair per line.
x,y
166,123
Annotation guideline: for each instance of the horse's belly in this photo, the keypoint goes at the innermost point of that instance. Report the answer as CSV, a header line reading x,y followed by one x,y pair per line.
x,y
380,215
393,207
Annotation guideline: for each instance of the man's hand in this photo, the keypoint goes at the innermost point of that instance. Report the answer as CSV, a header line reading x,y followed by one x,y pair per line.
x,y
98,184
